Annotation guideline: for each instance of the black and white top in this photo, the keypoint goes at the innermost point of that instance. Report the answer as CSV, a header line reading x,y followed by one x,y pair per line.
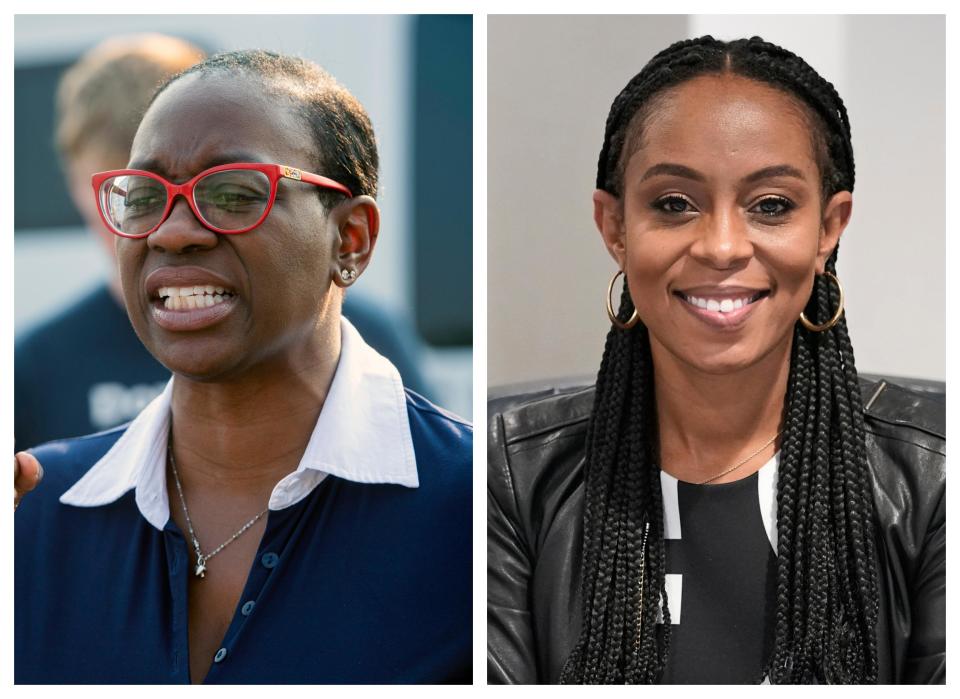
x,y
721,577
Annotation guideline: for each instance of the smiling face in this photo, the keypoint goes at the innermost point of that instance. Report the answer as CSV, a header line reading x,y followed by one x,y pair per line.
x,y
278,297
721,227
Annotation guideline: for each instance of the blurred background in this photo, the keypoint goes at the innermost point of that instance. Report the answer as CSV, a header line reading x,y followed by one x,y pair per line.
x,y
551,80
413,74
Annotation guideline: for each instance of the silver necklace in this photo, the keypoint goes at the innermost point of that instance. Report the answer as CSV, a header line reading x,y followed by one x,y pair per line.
x,y
742,462
201,566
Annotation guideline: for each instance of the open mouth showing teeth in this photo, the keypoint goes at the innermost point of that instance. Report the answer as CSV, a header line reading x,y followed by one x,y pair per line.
x,y
182,298
724,305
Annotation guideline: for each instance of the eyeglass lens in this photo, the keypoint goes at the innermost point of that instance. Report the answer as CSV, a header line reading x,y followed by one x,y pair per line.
x,y
229,200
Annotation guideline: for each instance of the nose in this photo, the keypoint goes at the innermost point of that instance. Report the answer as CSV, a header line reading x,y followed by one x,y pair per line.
x,y
181,231
723,240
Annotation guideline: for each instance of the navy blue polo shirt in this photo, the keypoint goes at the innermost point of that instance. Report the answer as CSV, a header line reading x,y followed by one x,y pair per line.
x,y
361,576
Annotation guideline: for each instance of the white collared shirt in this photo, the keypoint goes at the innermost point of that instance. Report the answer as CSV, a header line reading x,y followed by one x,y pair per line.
x,y
362,435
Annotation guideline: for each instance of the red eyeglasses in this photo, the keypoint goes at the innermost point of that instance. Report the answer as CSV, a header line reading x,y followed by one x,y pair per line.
x,y
230,199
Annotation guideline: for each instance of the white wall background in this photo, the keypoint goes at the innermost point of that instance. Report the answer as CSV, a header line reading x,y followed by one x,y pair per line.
x,y
550,84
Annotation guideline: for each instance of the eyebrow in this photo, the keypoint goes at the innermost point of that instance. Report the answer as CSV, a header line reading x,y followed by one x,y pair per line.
x,y
678,170
768,173
675,170
154,164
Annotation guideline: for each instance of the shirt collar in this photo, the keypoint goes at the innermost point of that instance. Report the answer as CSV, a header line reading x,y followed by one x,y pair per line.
x,y
362,435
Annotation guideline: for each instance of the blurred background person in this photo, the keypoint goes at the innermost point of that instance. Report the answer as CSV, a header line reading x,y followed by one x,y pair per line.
x,y
87,354
73,337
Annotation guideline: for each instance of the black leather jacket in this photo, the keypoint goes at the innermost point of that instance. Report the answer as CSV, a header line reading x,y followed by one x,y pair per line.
x,y
535,531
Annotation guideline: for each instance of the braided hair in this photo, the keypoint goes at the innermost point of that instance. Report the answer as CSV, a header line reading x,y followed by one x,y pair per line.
x,y
826,581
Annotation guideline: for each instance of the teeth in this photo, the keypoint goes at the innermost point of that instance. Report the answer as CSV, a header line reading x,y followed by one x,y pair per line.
x,y
192,297
720,305
186,297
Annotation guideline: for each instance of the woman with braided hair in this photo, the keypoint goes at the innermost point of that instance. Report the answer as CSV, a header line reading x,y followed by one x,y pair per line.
x,y
730,503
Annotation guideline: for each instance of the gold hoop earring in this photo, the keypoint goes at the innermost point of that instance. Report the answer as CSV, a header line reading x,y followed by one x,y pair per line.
x,y
634,319
836,316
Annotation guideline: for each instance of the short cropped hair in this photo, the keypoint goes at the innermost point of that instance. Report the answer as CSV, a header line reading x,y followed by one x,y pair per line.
x,y
344,144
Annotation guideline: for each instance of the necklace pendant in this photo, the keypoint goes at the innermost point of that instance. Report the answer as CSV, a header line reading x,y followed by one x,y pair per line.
x,y
200,569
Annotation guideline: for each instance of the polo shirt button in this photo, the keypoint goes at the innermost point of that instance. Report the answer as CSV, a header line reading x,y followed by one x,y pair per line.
x,y
221,654
270,560
247,608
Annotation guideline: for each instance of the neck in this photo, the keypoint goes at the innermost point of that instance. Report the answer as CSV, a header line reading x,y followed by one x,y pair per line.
x,y
241,436
709,422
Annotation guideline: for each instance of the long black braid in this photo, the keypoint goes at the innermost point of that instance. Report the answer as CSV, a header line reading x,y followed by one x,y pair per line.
x,y
826,588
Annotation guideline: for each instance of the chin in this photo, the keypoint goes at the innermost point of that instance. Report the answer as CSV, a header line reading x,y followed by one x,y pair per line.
x,y
738,357
714,358
195,361
201,376
203,372
720,366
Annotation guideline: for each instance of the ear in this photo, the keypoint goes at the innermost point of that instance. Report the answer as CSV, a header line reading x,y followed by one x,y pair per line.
x,y
358,224
608,216
836,216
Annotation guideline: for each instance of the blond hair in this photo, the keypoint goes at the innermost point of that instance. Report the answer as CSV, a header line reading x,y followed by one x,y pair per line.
x,y
102,97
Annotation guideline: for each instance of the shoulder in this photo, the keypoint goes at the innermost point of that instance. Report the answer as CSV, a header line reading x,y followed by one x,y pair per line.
x,y
918,416
906,434
64,462
906,451
67,460
526,416
417,404
425,417
442,441
535,448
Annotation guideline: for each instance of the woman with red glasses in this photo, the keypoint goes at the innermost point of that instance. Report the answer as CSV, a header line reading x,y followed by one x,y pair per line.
x,y
285,511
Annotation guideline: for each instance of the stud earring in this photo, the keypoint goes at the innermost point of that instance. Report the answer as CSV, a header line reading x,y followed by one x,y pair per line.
x,y
348,275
